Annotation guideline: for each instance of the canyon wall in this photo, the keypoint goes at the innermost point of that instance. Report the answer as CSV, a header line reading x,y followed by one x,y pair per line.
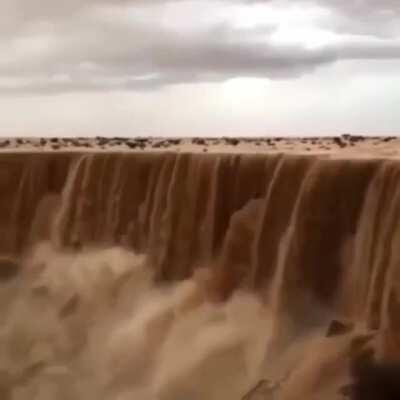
x,y
306,232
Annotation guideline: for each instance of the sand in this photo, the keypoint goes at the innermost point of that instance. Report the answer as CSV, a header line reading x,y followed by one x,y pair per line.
x,y
340,146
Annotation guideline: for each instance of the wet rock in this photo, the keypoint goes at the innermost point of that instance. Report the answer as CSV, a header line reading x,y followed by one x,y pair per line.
x,y
337,328
376,381
9,269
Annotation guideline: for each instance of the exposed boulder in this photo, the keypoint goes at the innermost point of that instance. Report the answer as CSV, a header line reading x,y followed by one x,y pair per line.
x,y
337,328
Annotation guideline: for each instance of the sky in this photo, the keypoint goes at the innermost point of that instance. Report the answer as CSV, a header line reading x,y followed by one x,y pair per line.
x,y
199,67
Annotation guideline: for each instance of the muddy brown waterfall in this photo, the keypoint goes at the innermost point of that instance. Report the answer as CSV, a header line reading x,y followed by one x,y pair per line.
x,y
303,232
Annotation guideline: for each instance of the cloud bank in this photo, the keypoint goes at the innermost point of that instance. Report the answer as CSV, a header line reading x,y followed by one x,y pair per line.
x,y
136,45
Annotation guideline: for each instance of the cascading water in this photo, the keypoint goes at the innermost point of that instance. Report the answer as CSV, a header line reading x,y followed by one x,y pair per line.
x,y
193,276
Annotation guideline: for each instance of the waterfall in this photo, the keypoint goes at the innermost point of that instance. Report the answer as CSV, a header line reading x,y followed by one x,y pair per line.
x,y
300,240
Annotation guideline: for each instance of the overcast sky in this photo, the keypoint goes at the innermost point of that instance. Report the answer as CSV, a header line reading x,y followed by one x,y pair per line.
x,y
187,67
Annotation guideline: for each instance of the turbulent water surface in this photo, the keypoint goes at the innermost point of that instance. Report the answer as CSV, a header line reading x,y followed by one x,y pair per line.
x,y
193,276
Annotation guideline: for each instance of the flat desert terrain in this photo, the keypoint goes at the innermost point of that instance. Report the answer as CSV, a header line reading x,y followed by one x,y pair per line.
x,y
345,145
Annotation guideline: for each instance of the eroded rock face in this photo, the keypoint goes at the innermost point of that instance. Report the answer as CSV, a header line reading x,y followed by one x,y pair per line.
x,y
311,232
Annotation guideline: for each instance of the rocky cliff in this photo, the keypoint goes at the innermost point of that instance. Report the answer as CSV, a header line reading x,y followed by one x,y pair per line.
x,y
307,232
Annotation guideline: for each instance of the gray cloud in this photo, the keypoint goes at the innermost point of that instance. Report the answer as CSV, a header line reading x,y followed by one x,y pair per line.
x,y
363,17
70,46
369,16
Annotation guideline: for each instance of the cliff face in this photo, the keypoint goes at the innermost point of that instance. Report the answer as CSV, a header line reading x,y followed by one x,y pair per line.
x,y
301,230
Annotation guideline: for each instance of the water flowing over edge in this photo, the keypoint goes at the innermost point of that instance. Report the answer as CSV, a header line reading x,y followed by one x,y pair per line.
x,y
301,240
